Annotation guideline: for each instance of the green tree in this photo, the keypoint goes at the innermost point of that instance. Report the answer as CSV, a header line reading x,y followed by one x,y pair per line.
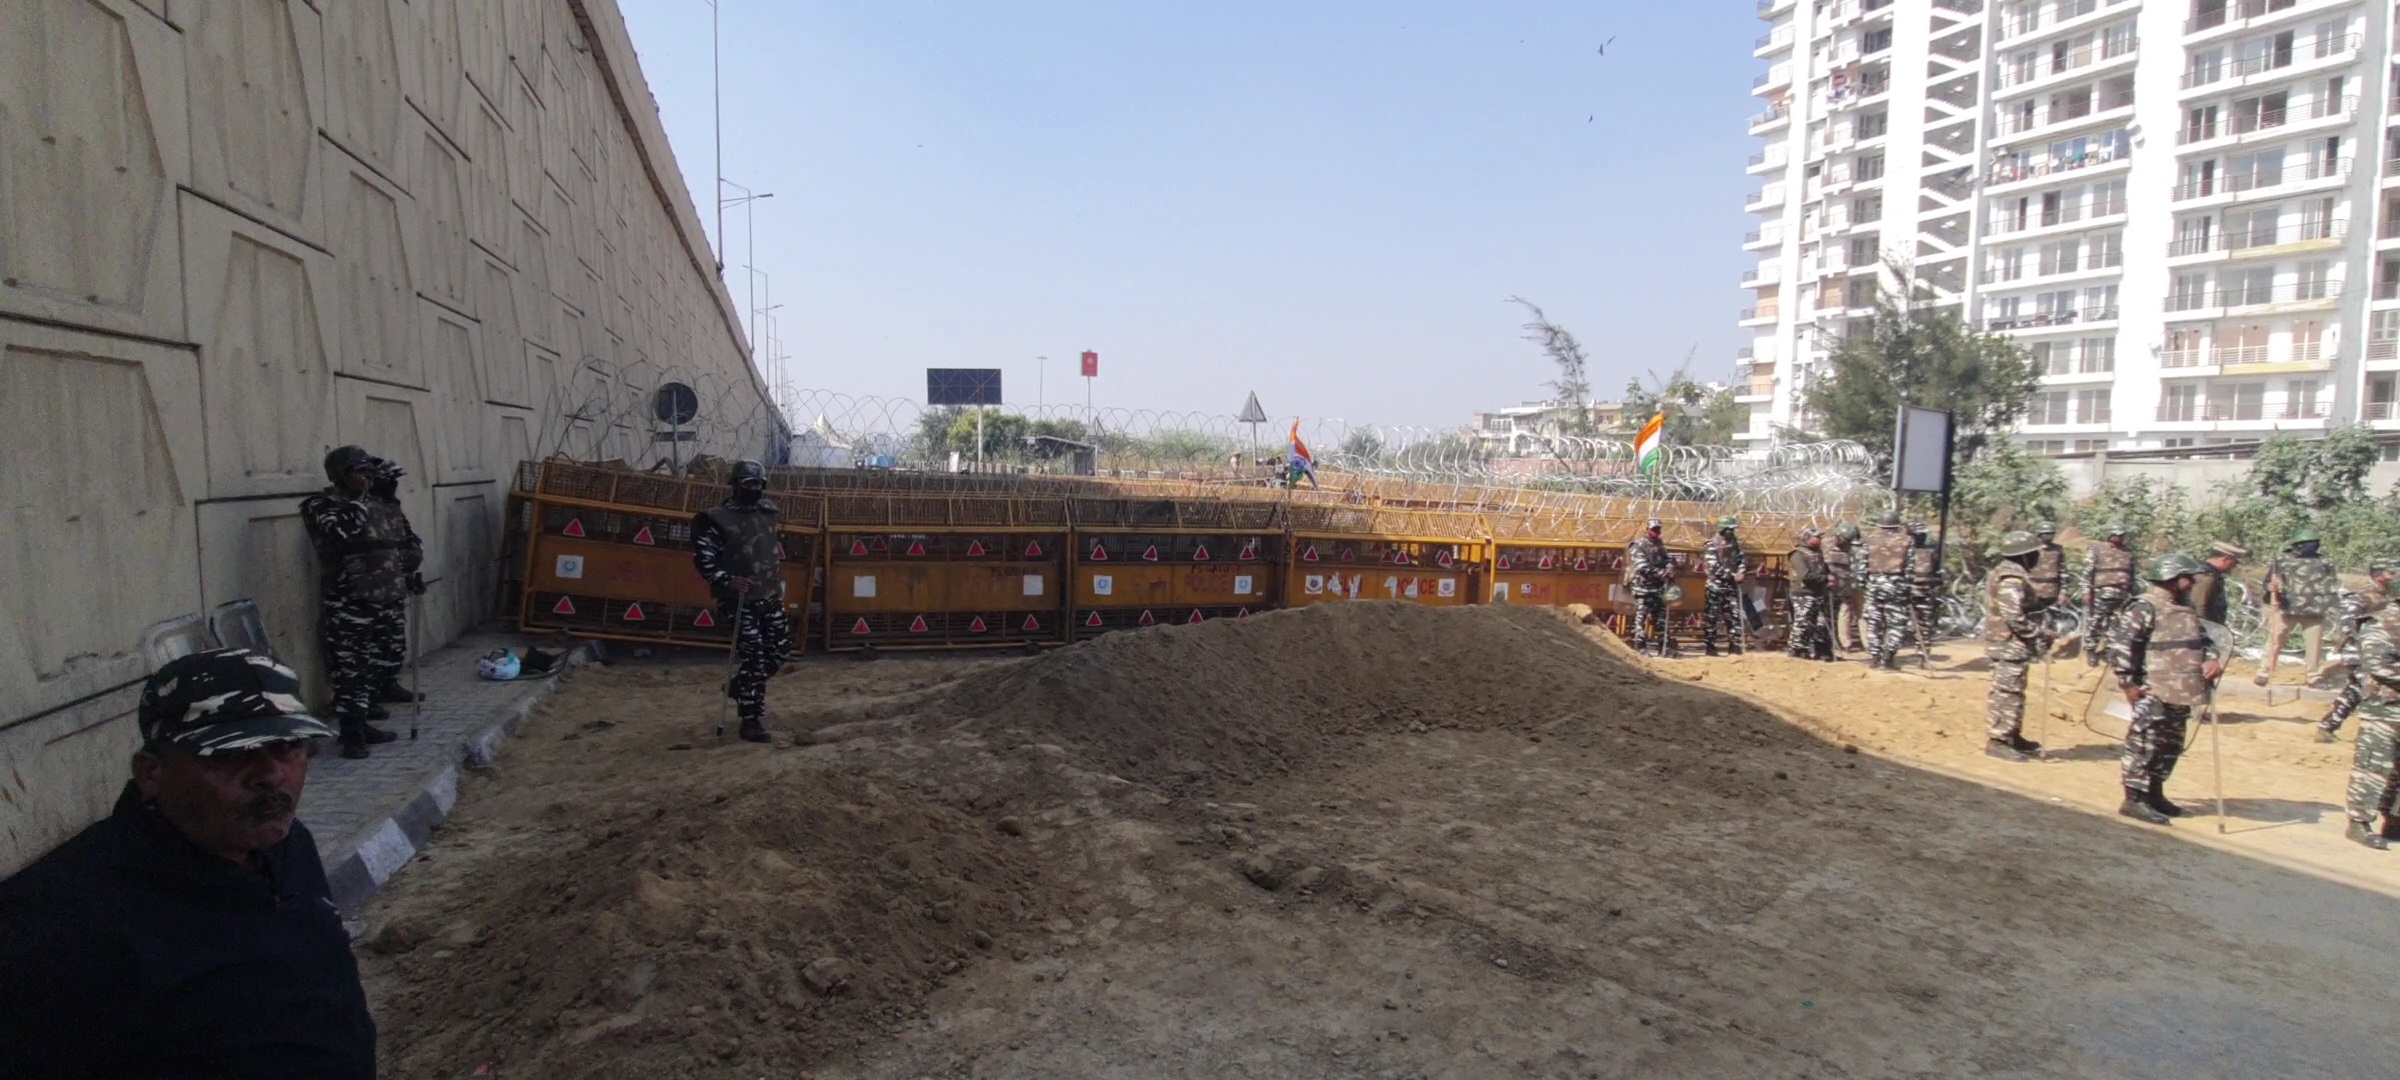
x,y
1696,415
2004,488
1573,387
2315,474
1916,350
1362,444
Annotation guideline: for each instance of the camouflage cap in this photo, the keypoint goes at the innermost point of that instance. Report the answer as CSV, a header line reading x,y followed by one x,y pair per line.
x,y
2383,566
1889,520
226,700
1846,530
2020,542
2229,550
2172,565
2305,535
1727,522
1654,524
1811,533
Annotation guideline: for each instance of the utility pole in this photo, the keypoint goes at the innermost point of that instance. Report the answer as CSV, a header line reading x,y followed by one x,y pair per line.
x,y
716,76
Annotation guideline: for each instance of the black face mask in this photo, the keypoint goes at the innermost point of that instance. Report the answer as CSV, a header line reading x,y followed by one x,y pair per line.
x,y
747,495
2308,549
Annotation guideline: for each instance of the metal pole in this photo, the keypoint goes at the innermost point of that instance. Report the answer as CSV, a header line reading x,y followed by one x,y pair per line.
x,y
716,77
733,658
2216,747
750,252
1041,381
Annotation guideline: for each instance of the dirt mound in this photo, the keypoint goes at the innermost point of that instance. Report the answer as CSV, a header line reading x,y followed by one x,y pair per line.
x,y
1201,708
700,933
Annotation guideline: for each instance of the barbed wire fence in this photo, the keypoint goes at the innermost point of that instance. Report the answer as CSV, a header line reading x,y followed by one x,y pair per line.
x,y
601,410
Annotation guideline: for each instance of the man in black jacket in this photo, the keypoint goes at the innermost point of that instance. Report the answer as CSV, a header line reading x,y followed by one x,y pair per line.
x,y
367,562
738,551
190,933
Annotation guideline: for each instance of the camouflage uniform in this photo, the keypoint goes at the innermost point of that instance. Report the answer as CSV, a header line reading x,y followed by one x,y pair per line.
x,y
2049,574
2012,639
1846,595
1808,639
1887,594
2358,609
2108,584
366,554
2156,644
2307,591
736,540
1924,594
1646,576
2375,769
1725,560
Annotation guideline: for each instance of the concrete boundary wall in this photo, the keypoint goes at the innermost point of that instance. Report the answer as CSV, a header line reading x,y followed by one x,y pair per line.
x,y
237,233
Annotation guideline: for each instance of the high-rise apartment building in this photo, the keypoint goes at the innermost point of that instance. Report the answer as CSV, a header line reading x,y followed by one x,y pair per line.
x,y
2187,210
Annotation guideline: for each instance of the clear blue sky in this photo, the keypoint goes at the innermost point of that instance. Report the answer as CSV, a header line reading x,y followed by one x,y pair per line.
x,y
1323,202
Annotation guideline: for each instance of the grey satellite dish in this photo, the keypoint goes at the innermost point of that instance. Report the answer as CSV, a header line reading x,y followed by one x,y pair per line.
x,y
675,403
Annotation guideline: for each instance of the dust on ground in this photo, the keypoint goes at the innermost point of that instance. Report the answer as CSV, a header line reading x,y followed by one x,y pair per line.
x,y
1370,840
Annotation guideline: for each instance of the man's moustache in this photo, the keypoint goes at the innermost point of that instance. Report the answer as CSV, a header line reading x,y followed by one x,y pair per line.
x,y
273,804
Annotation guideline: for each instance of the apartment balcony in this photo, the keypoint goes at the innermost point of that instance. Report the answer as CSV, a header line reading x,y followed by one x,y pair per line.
x,y
2098,58
2007,175
2046,20
1959,7
2327,55
1768,9
2276,183
2058,223
1755,391
1764,274
1774,118
2298,119
2252,14
2064,269
2299,414
1758,316
2384,351
2048,123
2265,243
1761,239
2377,412
1768,160
1773,41
2043,320
1776,78
1766,198
2216,303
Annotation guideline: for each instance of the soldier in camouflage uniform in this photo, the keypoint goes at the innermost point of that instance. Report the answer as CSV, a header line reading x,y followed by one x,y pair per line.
x,y
2375,768
367,561
1887,592
2302,593
1647,573
2049,572
2107,587
1924,590
1811,632
1728,568
2012,638
738,552
1846,594
2162,661
2358,609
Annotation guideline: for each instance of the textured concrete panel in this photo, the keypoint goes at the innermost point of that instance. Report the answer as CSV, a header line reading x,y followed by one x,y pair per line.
x,y
516,437
483,46
440,188
256,92
62,773
378,304
537,301
101,440
439,85
463,420
503,336
527,124
261,309
492,216
365,105
468,521
92,142
258,550
390,422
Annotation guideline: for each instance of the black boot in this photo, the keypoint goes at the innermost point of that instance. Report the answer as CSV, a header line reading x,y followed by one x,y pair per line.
x,y
1708,648
755,731
378,712
376,736
2024,745
2158,802
2004,750
2358,833
2391,827
354,738
2328,734
2137,806
393,692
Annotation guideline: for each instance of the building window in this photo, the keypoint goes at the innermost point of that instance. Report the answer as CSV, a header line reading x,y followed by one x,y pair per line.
x,y
2100,302
1871,125
1867,167
2315,279
2049,407
2300,399
2097,355
2091,406
2180,403
1875,41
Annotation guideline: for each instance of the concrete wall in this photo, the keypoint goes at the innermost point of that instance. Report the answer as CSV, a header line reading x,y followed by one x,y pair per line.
x,y
237,233
2198,477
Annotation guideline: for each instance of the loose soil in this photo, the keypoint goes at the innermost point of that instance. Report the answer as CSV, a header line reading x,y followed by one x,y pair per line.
x,y
1373,840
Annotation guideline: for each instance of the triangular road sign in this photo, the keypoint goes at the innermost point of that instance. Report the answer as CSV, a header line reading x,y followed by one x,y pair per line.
x,y
565,606
1549,561
574,528
1309,553
642,536
1093,621
974,549
916,547
977,626
1250,550
1252,412
706,618
1200,553
1032,623
633,613
1099,554
1582,564
861,627
1195,616
1244,615
917,625
1508,562
1147,620
1150,554
858,547
1443,559
1033,549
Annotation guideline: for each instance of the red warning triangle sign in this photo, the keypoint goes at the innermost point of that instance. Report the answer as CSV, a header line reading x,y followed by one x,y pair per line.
x,y
574,528
1309,553
858,547
642,536
1549,561
1147,620
1195,617
916,547
1093,621
705,618
1443,559
1200,553
633,613
1348,554
1582,564
565,606
1032,623
1400,558
1150,554
974,549
1033,549
1099,554
779,555
1508,562
917,625
861,627
1244,615
977,626
1250,550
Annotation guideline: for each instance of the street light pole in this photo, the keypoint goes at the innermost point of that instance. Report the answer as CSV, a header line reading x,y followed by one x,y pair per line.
x,y
1041,381
750,246
716,77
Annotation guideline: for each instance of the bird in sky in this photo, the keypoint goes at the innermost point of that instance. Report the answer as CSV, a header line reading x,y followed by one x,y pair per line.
x,y
1605,44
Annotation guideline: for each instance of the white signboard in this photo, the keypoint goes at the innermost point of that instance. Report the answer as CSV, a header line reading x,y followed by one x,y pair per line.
x,y
1313,584
1104,585
863,586
570,567
1033,584
1447,587
1241,586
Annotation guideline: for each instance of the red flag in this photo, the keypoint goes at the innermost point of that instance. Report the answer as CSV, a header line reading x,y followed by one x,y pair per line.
x,y
1091,364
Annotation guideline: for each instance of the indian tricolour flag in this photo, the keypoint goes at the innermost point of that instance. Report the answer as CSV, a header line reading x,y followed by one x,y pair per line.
x,y
1649,447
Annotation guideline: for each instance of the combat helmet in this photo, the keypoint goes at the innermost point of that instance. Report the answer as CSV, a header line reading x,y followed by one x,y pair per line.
x,y
2046,528
1847,530
747,471
1889,520
2117,528
2306,535
2020,542
1918,528
1727,522
341,461
2172,565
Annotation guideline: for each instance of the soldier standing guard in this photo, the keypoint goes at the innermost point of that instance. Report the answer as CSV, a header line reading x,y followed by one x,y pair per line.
x,y
2012,637
367,561
1887,592
737,550
1846,594
2375,769
2049,572
2301,595
1728,567
1810,637
1646,573
2107,588
1924,589
2358,609
2209,596
2161,658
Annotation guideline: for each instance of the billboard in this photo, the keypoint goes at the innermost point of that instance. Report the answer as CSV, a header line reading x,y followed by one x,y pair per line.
x,y
962,386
